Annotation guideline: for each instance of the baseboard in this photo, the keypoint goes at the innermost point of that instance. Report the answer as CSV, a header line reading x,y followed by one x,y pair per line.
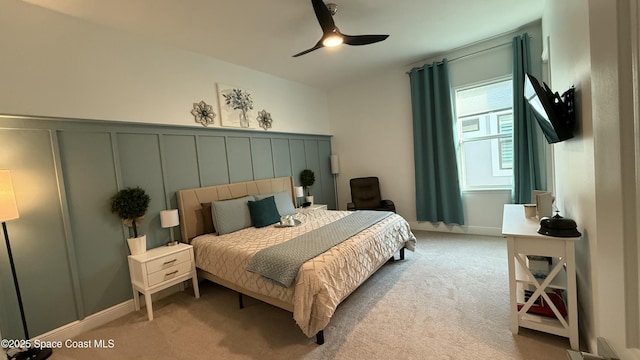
x,y
73,329
471,230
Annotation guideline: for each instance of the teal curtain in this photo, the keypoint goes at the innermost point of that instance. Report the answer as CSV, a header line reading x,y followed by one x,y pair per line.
x,y
438,197
528,153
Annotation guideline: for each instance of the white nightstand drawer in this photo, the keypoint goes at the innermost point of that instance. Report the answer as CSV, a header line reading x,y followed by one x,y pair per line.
x,y
167,261
169,273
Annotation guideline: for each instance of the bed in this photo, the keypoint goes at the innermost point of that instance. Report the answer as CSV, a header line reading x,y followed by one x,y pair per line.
x,y
320,283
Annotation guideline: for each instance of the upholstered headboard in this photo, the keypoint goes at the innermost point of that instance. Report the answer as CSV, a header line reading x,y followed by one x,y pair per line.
x,y
189,200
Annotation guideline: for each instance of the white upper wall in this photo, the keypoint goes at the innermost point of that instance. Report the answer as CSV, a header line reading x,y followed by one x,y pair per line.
x,y
590,47
372,125
56,65
566,30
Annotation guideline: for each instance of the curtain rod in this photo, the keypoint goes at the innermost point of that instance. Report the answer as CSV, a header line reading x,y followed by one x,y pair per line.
x,y
466,55
473,53
480,51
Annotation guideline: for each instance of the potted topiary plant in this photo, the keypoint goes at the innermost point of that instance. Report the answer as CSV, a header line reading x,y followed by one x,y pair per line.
x,y
130,205
307,178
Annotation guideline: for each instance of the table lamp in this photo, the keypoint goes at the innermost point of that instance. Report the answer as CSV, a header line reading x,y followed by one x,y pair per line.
x,y
169,219
9,211
298,192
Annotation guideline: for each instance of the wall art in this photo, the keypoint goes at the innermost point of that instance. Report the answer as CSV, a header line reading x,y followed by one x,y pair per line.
x,y
236,107
264,119
203,113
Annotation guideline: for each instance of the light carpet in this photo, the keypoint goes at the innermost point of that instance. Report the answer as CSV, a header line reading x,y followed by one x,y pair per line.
x,y
447,300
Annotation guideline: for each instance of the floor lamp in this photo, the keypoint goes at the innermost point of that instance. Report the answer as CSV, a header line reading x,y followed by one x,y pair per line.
x,y
335,170
9,211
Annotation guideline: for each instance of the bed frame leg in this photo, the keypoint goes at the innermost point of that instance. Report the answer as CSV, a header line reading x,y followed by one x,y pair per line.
x,y
240,301
320,337
393,258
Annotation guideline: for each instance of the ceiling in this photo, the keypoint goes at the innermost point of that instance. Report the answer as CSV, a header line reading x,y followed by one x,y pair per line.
x,y
264,34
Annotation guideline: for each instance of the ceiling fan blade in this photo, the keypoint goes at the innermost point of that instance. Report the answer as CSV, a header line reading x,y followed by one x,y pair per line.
x,y
323,15
363,39
316,47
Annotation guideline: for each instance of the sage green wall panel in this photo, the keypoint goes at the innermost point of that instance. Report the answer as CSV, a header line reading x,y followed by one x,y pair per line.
x,y
139,156
262,158
181,171
69,248
38,241
313,162
101,251
324,176
239,157
281,157
181,165
298,161
212,157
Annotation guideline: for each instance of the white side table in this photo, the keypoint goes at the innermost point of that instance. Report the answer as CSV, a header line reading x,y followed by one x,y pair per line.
x,y
523,239
312,208
160,268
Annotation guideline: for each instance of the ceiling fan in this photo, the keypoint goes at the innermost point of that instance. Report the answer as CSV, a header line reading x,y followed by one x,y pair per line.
x,y
331,35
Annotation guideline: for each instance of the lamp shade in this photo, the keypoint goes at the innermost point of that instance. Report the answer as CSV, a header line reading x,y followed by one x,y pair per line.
x,y
335,164
169,218
8,207
298,191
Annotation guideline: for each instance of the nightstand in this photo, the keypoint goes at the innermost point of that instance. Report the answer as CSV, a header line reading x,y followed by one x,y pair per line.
x,y
312,208
160,268
522,240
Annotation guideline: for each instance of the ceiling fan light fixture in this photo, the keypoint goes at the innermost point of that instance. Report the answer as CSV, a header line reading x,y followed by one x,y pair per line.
x,y
332,40
331,36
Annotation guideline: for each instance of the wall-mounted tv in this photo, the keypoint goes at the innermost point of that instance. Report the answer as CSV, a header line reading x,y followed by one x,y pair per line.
x,y
555,114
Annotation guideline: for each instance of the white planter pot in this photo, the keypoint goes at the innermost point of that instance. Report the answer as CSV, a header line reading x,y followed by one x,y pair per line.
x,y
310,199
137,245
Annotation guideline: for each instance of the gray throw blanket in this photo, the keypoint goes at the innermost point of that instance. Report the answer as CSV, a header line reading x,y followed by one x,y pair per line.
x,y
281,262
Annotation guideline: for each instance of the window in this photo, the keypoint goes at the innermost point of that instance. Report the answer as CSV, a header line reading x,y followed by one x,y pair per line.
x,y
485,134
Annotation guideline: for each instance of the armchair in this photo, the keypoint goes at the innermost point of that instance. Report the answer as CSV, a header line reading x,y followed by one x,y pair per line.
x,y
365,195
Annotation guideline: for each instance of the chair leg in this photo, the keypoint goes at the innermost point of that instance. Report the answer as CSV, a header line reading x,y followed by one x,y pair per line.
x,y
320,337
240,301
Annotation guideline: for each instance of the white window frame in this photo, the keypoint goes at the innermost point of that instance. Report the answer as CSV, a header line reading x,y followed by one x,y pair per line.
x,y
496,153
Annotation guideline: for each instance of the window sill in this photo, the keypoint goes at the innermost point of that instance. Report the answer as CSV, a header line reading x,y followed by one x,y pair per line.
x,y
486,190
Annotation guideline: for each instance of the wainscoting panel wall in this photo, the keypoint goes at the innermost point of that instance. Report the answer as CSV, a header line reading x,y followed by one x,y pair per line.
x,y
212,160
180,154
140,165
281,157
96,232
239,158
298,159
70,250
262,158
38,238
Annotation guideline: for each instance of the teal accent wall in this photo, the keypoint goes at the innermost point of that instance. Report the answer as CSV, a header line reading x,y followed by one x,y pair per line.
x,y
69,249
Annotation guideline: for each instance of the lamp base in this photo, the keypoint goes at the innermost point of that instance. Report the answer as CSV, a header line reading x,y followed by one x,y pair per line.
x,y
29,354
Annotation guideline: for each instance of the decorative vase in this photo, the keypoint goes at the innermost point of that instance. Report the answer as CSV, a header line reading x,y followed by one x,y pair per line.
x,y
309,199
244,121
137,245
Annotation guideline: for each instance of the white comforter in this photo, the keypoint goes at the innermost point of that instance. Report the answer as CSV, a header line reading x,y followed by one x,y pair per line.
x,y
322,282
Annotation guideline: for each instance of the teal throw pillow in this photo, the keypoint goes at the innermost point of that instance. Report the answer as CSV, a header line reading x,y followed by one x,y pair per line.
x,y
263,212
